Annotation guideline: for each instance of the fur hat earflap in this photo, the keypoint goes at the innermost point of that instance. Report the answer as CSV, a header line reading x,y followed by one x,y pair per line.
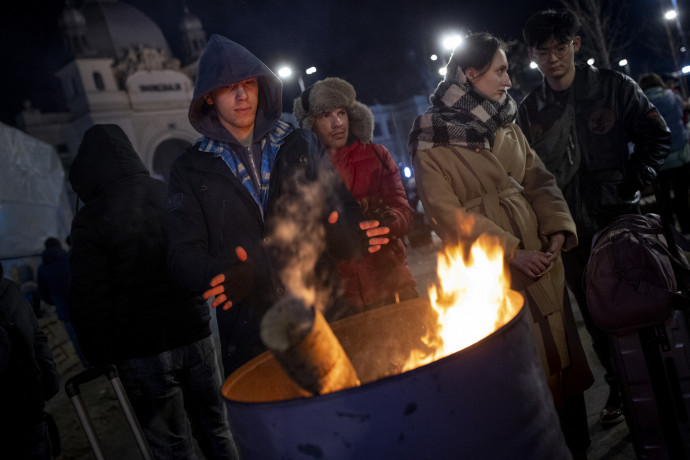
x,y
329,94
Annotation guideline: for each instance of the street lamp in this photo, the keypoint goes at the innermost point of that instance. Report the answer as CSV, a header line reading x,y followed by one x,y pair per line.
x,y
624,63
590,61
451,41
672,15
285,72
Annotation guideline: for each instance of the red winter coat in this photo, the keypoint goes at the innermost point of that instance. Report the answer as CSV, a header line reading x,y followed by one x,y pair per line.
x,y
373,179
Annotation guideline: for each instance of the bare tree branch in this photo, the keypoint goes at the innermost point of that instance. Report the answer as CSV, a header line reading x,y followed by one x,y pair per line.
x,y
604,29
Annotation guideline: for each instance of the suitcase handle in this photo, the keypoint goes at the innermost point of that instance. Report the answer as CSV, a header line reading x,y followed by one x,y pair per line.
x,y
90,374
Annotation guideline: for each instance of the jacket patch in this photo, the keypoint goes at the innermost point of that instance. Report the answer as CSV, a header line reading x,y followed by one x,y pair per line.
x,y
174,202
601,121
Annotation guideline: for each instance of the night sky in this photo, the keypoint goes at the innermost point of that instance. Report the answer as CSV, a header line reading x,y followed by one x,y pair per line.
x,y
382,47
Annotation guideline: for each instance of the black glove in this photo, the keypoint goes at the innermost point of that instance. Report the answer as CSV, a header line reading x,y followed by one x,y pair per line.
x,y
234,285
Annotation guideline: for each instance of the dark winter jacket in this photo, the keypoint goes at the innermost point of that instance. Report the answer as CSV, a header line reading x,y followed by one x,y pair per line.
x,y
29,376
124,303
212,213
610,111
372,177
53,280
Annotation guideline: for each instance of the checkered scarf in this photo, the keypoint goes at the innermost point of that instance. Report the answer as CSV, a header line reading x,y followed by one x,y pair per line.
x,y
460,116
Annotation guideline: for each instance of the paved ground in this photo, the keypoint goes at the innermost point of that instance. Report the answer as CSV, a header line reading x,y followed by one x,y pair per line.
x,y
117,442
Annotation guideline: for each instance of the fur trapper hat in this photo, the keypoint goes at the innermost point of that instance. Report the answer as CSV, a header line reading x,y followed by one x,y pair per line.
x,y
329,94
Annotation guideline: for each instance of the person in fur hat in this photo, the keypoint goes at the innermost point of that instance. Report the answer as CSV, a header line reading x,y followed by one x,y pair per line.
x,y
345,127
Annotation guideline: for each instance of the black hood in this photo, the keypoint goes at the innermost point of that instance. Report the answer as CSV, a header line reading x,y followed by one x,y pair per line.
x,y
105,156
223,63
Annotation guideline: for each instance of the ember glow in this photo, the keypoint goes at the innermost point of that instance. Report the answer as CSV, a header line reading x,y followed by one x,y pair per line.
x,y
474,300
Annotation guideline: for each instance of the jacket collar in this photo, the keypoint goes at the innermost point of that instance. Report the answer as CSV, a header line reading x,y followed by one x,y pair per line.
x,y
585,84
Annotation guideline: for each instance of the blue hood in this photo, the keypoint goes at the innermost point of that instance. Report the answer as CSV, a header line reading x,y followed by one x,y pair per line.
x,y
223,63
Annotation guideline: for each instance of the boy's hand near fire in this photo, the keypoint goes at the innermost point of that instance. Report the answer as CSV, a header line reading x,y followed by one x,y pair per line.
x,y
235,284
372,238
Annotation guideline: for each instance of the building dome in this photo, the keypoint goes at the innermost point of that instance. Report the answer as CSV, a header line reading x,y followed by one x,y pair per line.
x,y
72,18
114,27
190,23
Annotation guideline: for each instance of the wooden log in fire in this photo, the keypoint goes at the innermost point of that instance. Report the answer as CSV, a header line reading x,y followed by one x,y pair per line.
x,y
306,348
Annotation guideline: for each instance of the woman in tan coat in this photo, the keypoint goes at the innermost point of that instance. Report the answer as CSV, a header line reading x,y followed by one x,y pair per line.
x,y
477,174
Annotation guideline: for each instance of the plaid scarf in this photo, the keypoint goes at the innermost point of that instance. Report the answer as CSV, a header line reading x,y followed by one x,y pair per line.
x,y
269,151
460,116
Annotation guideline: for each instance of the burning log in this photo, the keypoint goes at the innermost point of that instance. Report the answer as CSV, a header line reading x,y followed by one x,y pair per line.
x,y
306,348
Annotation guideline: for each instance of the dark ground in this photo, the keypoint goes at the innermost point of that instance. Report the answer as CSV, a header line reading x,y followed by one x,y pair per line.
x,y
117,441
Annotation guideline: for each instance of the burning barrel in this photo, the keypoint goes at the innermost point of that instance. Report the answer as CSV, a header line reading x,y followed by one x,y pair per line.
x,y
488,400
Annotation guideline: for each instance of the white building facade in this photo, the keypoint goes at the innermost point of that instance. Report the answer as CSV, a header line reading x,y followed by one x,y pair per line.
x,y
121,71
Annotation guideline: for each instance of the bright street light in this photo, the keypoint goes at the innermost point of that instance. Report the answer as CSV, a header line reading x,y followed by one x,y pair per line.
x,y
623,62
434,57
407,171
533,65
450,42
442,71
590,61
284,72
670,15
686,69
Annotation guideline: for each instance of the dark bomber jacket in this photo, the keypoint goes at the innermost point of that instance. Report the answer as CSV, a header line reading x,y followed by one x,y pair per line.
x,y
611,111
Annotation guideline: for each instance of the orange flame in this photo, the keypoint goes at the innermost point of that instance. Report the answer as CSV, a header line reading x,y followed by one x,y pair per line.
x,y
472,301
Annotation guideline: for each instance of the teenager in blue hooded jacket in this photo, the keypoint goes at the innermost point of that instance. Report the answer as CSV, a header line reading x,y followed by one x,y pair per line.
x,y
252,204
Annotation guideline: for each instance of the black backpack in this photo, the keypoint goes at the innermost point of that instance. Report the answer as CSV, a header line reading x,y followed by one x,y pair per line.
x,y
634,278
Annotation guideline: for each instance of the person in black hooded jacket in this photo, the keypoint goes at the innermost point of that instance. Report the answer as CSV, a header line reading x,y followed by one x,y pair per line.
x,y
253,204
126,308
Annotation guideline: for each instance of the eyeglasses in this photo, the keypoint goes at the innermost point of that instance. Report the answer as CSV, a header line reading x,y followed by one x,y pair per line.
x,y
543,54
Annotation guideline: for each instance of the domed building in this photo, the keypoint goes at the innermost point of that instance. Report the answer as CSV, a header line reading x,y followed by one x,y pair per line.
x,y
120,70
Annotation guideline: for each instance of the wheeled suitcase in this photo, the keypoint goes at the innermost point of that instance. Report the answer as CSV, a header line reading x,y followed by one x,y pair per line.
x,y
73,392
637,291
652,366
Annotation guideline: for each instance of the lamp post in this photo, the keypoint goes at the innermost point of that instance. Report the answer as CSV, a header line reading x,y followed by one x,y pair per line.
x,y
448,42
672,15
286,72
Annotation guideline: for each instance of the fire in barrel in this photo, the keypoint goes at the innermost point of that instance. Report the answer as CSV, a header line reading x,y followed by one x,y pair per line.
x,y
453,376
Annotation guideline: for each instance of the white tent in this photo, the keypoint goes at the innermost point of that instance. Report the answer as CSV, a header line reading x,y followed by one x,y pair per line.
x,y
33,196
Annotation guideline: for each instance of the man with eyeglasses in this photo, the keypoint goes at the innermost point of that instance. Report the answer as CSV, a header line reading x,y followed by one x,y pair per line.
x,y
581,121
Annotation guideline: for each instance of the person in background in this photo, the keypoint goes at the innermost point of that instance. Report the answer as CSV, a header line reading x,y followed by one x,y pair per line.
x,y
28,378
256,210
53,287
128,311
675,172
476,174
580,120
345,127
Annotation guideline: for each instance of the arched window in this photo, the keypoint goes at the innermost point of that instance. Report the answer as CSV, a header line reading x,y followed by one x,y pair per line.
x,y
164,156
98,80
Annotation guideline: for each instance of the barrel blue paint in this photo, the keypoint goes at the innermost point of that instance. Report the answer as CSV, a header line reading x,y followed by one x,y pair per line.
x,y
488,401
